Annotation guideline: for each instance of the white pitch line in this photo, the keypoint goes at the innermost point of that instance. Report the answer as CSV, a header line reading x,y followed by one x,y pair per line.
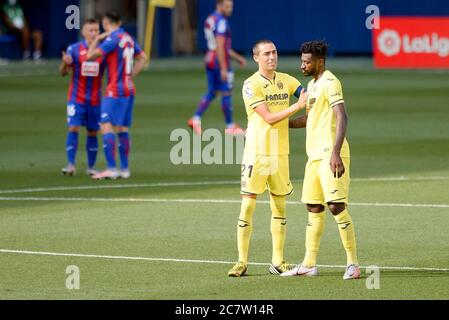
x,y
188,260
200,183
120,186
363,204
401,178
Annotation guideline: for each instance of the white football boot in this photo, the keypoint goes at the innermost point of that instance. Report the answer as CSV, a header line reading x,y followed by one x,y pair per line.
x,y
301,270
124,174
69,170
352,272
106,174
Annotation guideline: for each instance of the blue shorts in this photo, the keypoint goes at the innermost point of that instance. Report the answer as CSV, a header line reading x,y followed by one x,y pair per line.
x,y
215,83
117,111
84,115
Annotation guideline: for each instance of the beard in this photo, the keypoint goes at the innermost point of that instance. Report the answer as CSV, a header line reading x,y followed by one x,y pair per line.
x,y
306,73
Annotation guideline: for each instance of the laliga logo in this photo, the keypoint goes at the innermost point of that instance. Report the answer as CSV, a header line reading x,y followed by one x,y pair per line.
x,y
389,43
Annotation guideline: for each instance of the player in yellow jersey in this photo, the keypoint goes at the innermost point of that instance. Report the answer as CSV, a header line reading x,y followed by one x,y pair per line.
x,y
265,161
326,178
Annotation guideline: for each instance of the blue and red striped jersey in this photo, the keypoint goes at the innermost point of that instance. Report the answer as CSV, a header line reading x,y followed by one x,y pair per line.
x,y
85,86
120,49
217,25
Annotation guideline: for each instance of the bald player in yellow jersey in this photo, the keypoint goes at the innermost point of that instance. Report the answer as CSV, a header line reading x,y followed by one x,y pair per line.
x,y
326,178
265,161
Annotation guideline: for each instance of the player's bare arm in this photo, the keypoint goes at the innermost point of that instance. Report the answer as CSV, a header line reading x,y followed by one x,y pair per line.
x,y
238,57
93,52
65,64
222,57
273,118
299,122
336,163
139,63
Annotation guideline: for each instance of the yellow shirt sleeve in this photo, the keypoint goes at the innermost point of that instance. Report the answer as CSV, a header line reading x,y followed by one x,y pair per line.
x,y
334,92
252,94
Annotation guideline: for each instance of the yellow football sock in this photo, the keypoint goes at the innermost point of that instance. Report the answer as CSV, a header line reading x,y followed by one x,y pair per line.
x,y
245,227
347,235
314,230
278,227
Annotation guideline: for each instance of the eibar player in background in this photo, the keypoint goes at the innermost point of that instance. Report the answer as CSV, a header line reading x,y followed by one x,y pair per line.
x,y
84,97
220,76
265,162
120,52
326,178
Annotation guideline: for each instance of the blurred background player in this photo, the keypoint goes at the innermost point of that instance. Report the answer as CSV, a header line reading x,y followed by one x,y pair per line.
x,y
265,159
17,24
120,51
84,96
220,76
326,179
3,62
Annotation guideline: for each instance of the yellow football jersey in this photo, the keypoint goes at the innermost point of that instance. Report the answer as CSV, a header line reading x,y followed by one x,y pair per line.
x,y
262,138
321,121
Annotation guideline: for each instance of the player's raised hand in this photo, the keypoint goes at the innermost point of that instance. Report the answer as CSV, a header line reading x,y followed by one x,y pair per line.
x,y
303,97
67,59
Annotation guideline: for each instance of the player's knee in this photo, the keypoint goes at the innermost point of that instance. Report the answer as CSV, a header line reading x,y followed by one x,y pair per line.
x,y
92,133
25,31
211,95
37,35
107,128
74,129
247,208
336,208
315,208
226,93
277,205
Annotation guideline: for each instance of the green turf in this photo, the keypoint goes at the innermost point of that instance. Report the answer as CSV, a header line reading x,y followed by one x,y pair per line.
x,y
398,127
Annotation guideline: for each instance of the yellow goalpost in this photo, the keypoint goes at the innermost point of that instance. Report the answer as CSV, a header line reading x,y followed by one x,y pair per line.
x,y
152,4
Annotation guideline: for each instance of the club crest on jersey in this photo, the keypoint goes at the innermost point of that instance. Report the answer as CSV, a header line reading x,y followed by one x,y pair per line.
x,y
280,85
310,103
249,92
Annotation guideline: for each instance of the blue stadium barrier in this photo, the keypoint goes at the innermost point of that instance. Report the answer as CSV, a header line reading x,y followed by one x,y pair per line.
x,y
290,22
10,47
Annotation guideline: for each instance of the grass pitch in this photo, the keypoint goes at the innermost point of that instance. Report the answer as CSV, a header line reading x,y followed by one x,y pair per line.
x,y
169,232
